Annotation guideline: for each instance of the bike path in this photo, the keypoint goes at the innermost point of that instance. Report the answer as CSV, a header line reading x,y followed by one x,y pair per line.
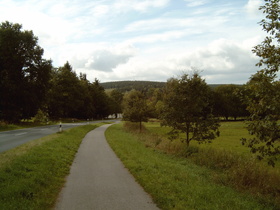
x,y
99,181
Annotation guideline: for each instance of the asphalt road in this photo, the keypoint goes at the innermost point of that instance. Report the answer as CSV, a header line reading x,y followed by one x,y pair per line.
x,y
14,138
99,181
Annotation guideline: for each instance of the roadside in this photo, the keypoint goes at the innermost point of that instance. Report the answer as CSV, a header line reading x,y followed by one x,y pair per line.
x,y
33,174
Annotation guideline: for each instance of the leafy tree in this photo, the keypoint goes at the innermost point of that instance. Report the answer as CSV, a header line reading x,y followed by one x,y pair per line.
x,y
186,108
135,107
153,101
228,103
262,91
117,98
24,73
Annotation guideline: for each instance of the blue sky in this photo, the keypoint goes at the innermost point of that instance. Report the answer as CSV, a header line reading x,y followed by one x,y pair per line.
x,y
145,39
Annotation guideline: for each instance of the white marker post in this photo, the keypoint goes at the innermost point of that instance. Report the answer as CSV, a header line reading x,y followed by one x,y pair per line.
x,y
60,127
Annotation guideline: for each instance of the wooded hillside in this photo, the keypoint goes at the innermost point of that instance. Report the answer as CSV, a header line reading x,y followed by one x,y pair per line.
x,y
124,86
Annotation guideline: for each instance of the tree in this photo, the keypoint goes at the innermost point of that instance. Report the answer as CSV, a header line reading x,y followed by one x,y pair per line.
x,y
186,108
65,96
154,101
227,102
135,107
262,91
117,98
24,73
101,101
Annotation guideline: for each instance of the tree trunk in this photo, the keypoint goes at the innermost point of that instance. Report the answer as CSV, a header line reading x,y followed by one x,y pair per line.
x,y
188,135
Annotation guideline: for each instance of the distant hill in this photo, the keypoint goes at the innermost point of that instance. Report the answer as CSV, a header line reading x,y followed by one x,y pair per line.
x,y
124,86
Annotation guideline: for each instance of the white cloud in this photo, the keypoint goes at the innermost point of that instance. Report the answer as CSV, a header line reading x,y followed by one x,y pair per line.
x,y
192,3
252,7
229,58
100,37
139,5
103,58
222,61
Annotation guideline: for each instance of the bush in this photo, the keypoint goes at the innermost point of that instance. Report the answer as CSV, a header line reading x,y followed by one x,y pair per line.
x,y
41,117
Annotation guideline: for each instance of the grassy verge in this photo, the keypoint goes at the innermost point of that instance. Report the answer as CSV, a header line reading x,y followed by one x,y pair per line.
x,y
32,175
176,182
7,127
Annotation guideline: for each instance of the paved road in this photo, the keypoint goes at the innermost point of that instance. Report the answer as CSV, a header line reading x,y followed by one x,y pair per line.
x,y
14,138
99,181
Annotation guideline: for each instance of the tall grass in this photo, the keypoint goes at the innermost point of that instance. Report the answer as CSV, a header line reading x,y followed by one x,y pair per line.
x,y
32,175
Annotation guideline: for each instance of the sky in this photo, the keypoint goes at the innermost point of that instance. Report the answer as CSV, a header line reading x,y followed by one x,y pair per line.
x,y
154,40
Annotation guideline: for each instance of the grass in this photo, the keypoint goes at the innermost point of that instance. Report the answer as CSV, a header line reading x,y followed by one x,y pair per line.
x,y
24,124
32,175
176,182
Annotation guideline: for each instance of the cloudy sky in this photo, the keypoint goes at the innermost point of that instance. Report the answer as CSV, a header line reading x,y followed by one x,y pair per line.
x,y
114,40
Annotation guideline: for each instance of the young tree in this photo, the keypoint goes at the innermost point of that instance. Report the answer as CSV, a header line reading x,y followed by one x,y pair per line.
x,y
135,107
262,91
24,74
186,108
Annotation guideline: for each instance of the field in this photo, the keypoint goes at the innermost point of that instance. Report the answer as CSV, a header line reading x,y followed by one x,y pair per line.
x,y
222,175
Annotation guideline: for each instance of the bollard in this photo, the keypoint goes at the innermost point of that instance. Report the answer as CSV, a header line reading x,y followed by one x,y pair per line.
x,y
60,127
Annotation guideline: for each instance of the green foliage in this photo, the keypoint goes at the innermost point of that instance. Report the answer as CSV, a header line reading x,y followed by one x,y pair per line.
x,y
24,73
135,108
187,109
268,50
227,102
41,117
71,96
264,118
124,86
262,91
117,99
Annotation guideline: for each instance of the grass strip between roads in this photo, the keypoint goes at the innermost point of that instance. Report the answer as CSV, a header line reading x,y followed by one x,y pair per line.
x,y
32,175
175,182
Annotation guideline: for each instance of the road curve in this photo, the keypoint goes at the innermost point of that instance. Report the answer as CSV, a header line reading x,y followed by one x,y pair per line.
x,y
98,180
14,138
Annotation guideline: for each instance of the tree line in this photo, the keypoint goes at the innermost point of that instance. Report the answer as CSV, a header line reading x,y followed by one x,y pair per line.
x,y
30,85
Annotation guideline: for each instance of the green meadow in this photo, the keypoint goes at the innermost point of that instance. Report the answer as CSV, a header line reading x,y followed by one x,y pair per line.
x,y
220,175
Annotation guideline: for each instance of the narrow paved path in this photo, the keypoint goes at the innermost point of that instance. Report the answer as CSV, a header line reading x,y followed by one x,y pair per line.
x,y
99,180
